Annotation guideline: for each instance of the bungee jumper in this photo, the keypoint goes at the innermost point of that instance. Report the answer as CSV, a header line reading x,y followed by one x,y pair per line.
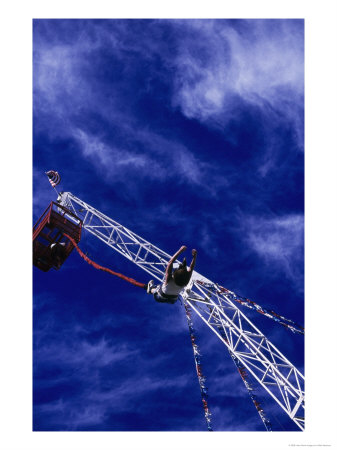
x,y
175,280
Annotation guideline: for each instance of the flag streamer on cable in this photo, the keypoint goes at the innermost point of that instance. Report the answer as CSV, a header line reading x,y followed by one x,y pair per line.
x,y
54,177
197,360
291,325
249,386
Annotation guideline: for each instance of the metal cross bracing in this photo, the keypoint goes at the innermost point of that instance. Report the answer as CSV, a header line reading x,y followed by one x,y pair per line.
x,y
269,367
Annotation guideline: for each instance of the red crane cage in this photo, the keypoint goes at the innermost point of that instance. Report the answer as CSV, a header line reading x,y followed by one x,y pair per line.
x,y
50,247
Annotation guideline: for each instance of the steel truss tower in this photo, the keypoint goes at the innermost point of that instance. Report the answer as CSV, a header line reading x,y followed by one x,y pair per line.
x,y
269,367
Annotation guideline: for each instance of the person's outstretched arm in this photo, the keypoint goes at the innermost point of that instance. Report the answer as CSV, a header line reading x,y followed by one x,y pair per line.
x,y
168,272
194,254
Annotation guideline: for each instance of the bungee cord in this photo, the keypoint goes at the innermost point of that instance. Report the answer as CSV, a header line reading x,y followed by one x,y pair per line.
x,y
104,269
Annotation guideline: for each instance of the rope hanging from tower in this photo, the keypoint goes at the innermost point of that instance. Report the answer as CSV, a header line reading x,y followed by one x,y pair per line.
x,y
249,386
104,269
201,377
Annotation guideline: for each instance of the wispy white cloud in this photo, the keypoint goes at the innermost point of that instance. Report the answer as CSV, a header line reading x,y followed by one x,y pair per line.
x,y
84,361
161,160
111,161
63,91
59,86
63,86
278,241
74,351
208,75
261,65
277,238
178,162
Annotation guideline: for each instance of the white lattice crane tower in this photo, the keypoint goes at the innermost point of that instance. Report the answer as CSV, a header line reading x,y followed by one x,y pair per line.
x,y
269,367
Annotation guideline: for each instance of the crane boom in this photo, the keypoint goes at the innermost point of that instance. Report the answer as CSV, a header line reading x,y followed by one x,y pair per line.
x,y
269,367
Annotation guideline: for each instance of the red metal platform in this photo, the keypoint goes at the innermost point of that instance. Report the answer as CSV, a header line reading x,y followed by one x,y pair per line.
x,y
50,247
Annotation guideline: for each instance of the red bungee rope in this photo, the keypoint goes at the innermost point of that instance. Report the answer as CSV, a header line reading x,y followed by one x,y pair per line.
x,y
104,269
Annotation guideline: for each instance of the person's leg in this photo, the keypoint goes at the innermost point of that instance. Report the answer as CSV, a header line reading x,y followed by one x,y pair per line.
x,y
151,288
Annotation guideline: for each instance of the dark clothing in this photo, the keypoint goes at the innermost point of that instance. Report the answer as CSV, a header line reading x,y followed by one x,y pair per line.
x,y
164,298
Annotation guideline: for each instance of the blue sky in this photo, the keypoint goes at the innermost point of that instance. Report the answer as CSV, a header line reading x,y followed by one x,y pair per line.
x,y
187,132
